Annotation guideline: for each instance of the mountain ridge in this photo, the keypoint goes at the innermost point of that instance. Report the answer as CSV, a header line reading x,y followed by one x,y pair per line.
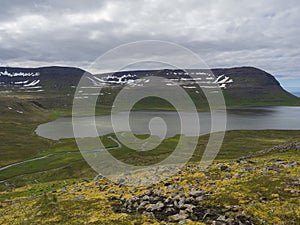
x,y
242,86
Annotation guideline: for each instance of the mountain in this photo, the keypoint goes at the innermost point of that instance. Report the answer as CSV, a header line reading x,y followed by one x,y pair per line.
x,y
55,86
253,86
39,79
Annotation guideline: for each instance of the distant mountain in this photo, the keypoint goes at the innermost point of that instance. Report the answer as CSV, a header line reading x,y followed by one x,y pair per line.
x,y
39,79
241,86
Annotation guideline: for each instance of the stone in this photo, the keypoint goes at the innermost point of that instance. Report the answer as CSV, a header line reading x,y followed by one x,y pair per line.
x,y
199,199
144,203
146,198
149,214
64,189
221,218
189,208
290,165
224,168
79,198
121,180
98,177
156,207
182,221
263,199
196,193
247,169
178,217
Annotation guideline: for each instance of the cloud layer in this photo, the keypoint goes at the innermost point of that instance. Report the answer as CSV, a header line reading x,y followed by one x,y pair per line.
x,y
227,33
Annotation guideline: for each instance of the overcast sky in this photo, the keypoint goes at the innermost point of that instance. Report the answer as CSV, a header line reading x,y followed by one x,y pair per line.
x,y
225,33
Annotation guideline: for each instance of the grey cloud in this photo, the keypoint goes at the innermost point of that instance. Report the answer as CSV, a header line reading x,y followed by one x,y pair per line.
x,y
223,33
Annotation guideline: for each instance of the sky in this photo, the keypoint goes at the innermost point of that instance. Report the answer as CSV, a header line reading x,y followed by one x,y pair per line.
x,y
224,33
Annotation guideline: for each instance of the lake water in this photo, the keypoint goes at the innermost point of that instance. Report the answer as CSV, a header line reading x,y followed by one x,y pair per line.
x,y
254,118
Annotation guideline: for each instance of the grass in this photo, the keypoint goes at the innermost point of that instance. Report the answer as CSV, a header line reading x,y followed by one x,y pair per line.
x,y
35,186
19,141
279,205
48,203
61,166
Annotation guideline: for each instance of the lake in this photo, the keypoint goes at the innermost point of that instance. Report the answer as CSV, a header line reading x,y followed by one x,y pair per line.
x,y
252,118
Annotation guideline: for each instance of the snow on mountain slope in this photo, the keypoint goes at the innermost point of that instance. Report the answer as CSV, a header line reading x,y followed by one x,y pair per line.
x,y
23,81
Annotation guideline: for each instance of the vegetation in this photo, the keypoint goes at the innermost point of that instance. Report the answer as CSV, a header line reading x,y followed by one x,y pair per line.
x,y
57,187
264,188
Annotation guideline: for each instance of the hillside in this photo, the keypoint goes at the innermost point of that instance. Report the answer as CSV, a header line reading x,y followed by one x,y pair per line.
x,y
253,86
262,188
48,78
54,87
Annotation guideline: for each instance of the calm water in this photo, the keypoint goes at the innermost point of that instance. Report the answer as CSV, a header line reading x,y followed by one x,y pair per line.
x,y
286,118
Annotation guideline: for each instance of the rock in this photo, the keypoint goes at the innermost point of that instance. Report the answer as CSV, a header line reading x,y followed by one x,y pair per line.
x,y
225,168
178,217
79,198
218,223
98,177
168,200
247,169
146,198
143,204
199,199
121,180
189,208
263,199
156,207
243,220
133,190
176,204
103,188
64,189
182,221
190,200
278,162
196,193
170,211
239,161
112,198
181,203
290,165
149,214
221,218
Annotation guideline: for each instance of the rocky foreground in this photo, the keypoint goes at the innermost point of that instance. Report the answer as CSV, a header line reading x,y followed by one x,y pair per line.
x,y
262,188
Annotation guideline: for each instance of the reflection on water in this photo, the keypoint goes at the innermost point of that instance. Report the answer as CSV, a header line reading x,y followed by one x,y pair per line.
x,y
286,118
